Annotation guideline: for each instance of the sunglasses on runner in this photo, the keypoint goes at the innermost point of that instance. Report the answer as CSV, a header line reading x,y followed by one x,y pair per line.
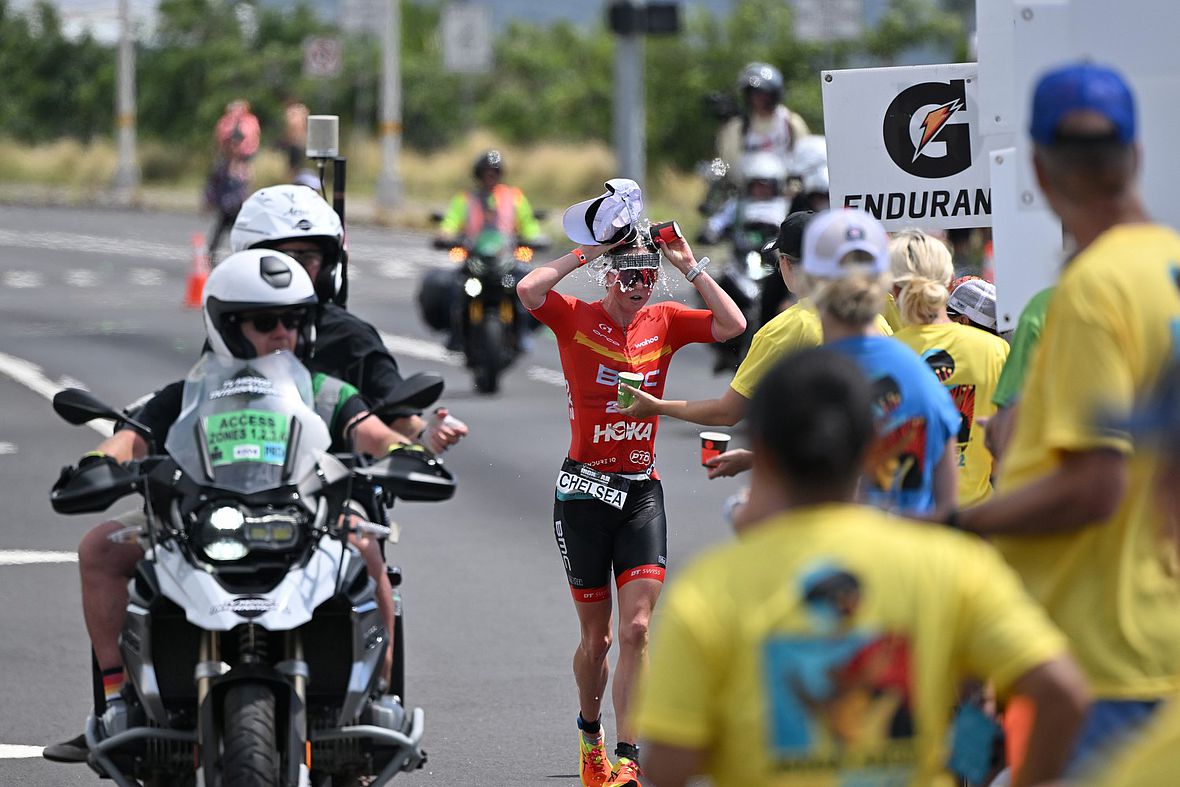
x,y
265,322
631,278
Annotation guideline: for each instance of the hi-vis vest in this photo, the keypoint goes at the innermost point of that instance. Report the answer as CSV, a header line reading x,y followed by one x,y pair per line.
x,y
505,199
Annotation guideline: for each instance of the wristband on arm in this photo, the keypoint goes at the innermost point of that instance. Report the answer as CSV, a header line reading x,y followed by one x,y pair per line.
x,y
580,255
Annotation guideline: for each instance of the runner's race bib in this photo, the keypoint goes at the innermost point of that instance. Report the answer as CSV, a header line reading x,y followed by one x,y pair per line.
x,y
578,479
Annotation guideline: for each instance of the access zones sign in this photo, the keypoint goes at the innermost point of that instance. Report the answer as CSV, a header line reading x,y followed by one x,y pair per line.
x,y
904,144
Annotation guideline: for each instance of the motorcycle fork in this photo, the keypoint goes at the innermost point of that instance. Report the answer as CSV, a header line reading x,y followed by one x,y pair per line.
x,y
209,666
507,312
475,311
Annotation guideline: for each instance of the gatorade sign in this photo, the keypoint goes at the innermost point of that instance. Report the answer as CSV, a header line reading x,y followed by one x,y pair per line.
x,y
904,144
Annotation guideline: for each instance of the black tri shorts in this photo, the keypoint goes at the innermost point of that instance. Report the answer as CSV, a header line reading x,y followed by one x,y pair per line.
x,y
595,538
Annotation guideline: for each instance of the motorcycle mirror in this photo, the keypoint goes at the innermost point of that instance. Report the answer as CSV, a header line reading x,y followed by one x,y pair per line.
x,y
416,392
77,407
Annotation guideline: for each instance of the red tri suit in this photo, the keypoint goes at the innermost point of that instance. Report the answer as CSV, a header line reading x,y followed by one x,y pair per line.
x,y
593,352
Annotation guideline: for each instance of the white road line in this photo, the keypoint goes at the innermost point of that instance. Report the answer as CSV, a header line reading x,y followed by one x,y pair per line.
x,y
28,557
146,277
542,375
23,279
30,376
420,349
11,752
432,351
7,448
80,277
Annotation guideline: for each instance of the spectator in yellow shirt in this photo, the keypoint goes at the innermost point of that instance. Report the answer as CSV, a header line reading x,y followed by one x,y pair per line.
x,y
825,645
967,360
1073,513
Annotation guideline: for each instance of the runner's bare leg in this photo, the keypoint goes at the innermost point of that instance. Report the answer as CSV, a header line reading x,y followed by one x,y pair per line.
x,y
591,669
637,599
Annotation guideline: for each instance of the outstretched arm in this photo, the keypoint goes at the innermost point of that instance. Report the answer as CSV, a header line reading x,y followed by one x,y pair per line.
x,y
728,320
535,286
725,411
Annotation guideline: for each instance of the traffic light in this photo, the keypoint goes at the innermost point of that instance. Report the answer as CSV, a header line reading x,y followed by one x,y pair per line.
x,y
629,17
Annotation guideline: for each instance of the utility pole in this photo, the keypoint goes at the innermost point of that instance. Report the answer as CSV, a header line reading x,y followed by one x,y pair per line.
x,y
631,21
389,183
630,110
127,168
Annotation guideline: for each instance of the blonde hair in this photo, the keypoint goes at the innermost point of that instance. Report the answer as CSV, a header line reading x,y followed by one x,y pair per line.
x,y
855,298
922,268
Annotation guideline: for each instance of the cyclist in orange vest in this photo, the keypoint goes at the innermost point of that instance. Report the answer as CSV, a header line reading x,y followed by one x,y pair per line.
x,y
490,205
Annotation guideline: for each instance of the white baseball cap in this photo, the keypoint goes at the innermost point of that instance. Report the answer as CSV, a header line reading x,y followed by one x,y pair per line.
x,y
975,298
607,218
833,234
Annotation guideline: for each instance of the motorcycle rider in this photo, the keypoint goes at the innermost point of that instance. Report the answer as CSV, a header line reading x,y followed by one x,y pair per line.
x,y
490,205
300,223
255,302
763,202
765,124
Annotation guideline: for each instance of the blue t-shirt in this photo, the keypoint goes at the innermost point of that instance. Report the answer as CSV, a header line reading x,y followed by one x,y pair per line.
x,y
915,417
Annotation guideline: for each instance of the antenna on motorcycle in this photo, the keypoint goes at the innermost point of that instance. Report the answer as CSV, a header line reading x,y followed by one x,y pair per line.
x,y
78,407
323,146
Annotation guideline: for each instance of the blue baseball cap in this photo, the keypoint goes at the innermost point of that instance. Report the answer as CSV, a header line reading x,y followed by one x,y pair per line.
x,y
1082,86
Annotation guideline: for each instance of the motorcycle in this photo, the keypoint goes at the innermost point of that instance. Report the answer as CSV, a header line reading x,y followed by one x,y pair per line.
x,y
478,303
252,641
743,278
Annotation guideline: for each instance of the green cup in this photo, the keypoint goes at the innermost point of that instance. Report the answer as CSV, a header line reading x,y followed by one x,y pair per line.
x,y
627,382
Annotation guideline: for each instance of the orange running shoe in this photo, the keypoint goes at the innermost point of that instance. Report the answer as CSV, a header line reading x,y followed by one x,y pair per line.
x,y
596,768
625,774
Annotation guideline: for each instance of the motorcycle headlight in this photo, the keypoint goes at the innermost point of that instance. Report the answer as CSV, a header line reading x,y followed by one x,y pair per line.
x,y
473,288
221,533
754,265
228,533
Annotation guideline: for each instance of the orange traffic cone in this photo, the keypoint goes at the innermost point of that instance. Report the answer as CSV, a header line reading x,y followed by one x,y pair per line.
x,y
199,272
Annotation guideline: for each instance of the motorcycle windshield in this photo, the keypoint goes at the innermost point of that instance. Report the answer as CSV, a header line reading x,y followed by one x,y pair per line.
x,y
489,243
247,425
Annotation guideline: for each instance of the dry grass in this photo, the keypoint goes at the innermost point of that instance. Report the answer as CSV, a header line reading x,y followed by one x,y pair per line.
x,y
553,175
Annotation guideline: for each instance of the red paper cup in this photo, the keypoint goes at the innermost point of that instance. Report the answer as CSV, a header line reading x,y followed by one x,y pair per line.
x,y
713,444
667,232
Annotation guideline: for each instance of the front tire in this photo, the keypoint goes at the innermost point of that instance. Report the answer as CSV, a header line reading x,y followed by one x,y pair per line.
x,y
487,345
249,756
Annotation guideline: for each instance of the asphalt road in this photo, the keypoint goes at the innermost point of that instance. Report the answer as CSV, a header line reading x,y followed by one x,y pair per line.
x,y
94,297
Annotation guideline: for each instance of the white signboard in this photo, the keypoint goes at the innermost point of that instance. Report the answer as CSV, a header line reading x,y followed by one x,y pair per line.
x,y
817,21
322,57
467,38
904,145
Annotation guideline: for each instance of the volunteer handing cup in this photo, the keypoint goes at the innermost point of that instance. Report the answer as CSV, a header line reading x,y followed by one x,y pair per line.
x,y
713,444
627,381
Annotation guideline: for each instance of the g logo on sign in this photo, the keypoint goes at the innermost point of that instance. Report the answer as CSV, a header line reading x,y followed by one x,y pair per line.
x,y
918,119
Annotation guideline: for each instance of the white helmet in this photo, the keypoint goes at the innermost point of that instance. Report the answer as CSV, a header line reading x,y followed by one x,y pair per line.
x,y
811,163
291,212
765,166
251,281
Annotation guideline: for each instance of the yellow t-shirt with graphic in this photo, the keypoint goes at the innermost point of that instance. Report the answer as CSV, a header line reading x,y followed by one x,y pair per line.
x,y
969,362
1113,587
829,641
793,329
892,314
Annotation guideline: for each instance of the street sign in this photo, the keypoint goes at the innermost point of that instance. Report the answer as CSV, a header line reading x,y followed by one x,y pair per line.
x,y
322,57
817,21
467,38
904,144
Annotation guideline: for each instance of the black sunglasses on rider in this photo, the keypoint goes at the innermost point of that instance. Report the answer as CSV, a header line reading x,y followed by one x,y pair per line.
x,y
265,322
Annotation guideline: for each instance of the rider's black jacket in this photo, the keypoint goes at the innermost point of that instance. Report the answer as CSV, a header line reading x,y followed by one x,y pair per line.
x,y
349,348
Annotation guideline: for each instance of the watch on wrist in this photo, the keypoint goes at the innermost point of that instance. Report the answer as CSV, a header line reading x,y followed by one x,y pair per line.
x,y
697,269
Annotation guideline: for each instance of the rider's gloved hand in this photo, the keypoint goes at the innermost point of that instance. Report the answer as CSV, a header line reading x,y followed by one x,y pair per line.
x,y
442,431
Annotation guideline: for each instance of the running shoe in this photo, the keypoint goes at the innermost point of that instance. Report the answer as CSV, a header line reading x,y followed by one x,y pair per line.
x,y
596,767
625,774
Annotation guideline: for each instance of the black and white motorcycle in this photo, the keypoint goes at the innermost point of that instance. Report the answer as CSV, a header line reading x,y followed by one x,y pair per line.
x,y
252,641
